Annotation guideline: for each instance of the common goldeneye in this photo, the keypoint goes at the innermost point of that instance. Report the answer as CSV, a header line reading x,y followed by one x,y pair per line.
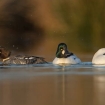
x,y
19,59
63,56
99,57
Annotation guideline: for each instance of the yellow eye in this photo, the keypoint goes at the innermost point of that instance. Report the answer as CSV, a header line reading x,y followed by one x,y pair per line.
x,y
61,49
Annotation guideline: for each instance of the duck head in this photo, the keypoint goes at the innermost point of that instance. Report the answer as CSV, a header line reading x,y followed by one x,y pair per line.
x,y
62,51
4,53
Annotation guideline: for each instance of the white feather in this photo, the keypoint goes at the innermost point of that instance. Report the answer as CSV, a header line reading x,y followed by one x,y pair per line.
x,y
98,57
69,60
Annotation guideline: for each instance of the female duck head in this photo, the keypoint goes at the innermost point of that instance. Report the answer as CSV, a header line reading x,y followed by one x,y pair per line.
x,y
4,53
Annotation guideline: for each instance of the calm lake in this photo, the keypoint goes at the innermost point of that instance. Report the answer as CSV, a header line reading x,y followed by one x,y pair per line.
x,y
52,85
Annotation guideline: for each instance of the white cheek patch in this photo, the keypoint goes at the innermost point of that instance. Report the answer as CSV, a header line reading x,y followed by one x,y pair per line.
x,y
63,52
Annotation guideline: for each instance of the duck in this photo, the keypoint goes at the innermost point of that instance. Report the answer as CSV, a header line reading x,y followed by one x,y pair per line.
x,y
99,57
6,57
63,56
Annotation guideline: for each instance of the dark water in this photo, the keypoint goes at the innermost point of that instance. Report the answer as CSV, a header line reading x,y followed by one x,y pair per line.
x,y
52,85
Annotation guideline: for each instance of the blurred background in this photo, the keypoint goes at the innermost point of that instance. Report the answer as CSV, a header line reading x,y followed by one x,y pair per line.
x,y
36,27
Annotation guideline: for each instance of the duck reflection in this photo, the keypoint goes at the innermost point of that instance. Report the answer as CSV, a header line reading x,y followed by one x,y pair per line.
x,y
99,87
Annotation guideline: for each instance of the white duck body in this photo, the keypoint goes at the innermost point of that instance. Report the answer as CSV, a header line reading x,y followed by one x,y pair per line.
x,y
69,60
99,57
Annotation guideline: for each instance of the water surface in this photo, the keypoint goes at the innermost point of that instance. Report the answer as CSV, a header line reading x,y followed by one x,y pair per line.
x,y
52,85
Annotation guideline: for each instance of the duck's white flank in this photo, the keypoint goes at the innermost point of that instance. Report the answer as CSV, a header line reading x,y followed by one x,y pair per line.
x,y
69,60
99,57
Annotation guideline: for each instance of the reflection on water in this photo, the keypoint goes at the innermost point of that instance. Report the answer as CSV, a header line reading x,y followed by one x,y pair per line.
x,y
99,84
52,85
